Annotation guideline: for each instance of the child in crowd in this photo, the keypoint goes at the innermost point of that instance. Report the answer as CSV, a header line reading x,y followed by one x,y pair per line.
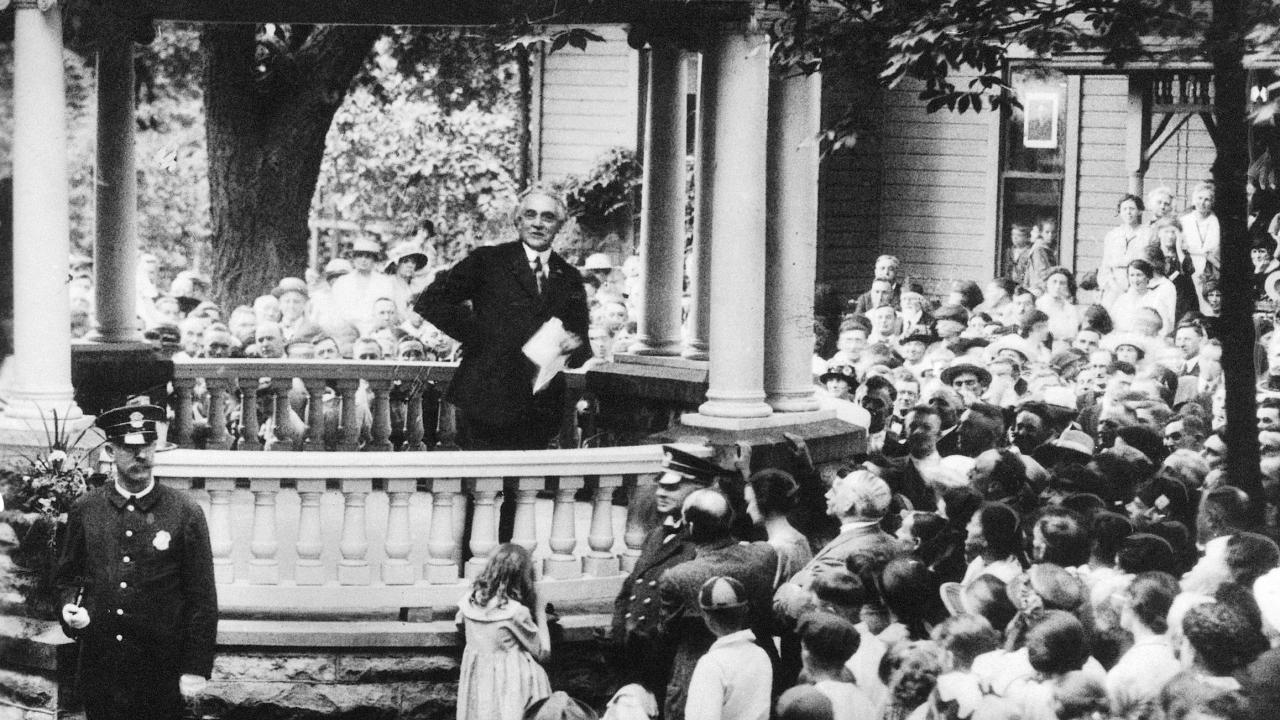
x,y
733,680
505,627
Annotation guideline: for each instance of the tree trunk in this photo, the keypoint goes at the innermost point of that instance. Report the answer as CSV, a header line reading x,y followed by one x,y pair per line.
x,y
266,140
1229,169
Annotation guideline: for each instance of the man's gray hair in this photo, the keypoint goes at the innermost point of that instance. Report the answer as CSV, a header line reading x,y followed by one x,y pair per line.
x,y
548,192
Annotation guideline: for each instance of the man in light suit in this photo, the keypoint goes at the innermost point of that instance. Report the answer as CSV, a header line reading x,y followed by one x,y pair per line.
x,y
716,552
512,290
858,500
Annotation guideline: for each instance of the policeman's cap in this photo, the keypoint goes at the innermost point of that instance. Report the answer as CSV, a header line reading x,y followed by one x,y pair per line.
x,y
134,426
679,466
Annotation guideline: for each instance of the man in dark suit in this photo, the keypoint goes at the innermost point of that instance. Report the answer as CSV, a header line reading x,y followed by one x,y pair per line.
x,y
860,500
136,571
716,552
642,653
492,302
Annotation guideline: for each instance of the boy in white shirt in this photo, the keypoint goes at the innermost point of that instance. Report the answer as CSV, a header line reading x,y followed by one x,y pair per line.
x,y
734,679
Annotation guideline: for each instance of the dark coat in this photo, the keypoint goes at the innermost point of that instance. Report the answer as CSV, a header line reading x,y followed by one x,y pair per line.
x,y
904,478
146,570
494,379
636,616
755,565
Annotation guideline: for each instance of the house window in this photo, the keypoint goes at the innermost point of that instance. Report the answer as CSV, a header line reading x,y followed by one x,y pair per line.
x,y
1032,165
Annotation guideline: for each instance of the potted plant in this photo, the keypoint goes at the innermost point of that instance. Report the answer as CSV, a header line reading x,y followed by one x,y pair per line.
x,y
36,494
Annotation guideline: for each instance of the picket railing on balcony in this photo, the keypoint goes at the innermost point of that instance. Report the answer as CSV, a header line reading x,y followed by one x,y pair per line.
x,y
403,399
354,532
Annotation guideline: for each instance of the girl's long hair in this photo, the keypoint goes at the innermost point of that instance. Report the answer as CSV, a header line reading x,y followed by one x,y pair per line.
x,y
507,576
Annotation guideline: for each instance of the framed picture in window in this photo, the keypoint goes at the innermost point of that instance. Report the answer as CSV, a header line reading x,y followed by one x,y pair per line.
x,y
1040,120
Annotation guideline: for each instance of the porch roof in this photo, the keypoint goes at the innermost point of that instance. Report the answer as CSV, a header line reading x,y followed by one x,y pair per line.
x,y
431,12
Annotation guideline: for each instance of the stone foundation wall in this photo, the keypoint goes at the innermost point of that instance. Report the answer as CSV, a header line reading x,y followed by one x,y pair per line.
x,y
37,670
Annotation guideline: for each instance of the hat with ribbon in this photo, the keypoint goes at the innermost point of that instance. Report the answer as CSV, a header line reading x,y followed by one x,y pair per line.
x,y
406,251
367,247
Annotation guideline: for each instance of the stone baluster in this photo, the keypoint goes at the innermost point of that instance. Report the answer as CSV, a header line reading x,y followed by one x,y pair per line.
x,y
524,531
484,523
350,416
309,570
441,567
380,405
315,414
264,566
249,414
600,560
220,541
183,413
413,421
219,390
447,426
460,504
353,568
282,430
396,569
633,537
563,565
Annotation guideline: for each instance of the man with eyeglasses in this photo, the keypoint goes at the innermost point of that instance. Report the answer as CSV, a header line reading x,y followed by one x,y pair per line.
x,y
493,301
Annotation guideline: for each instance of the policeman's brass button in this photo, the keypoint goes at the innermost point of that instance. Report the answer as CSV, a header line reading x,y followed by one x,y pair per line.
x,y
648,600
125,558
128,533
130,508
119,638
653,582
627,615
124,585
119,611
633,597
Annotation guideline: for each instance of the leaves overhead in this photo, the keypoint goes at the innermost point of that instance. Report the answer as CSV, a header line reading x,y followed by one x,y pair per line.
x,y
935,41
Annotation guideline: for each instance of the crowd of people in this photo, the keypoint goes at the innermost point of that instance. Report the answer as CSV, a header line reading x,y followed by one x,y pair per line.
x,y
1040,526
359,306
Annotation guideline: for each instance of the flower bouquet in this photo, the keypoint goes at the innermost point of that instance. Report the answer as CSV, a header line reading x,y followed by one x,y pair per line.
x,y
36,492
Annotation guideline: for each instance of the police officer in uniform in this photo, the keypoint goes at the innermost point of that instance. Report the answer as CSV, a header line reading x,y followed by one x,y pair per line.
x,y
137,576
643,655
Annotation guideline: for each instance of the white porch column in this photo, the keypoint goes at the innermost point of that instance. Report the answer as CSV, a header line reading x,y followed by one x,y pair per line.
x,y
662,204
115,247
697,344
738,112
42,324
791,239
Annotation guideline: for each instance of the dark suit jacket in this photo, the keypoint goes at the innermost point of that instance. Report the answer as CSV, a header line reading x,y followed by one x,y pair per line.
x,y
489,302
904,479
636,616
754,565
147,572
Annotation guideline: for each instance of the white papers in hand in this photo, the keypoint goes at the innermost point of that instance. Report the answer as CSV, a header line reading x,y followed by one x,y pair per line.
x,y
544,350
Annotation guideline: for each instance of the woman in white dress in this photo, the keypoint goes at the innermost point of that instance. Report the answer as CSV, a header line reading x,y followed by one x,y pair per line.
x,y
1201,237
1059,303
1122,244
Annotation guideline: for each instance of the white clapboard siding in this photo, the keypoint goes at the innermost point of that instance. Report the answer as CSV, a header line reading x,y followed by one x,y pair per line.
x,y
1182,163
935,209
589,104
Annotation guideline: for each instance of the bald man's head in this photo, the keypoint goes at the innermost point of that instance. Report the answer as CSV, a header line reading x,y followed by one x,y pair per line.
x,y
708,514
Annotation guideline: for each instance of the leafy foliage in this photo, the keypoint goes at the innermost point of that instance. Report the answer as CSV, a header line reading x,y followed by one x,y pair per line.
x,y
428,132
934,40
609,192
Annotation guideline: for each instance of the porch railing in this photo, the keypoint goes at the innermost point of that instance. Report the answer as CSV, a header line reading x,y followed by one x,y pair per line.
x,y
323,404
354,532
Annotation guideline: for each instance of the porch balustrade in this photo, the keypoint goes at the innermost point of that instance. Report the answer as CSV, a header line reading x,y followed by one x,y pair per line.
x,y
353,532
340,405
